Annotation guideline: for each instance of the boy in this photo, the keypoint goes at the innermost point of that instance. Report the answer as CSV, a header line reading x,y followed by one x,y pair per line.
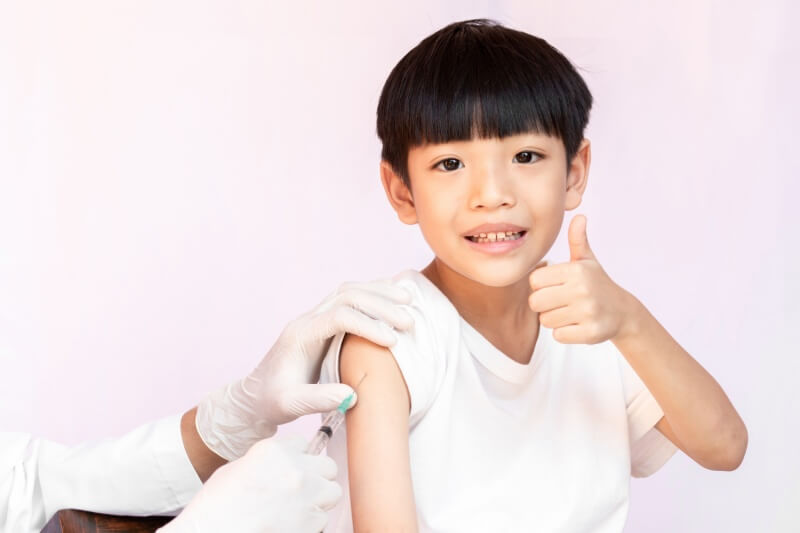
x,y
526,395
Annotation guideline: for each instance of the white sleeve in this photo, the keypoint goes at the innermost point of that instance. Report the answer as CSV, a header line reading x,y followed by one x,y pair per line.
x,y
650,449
421,359
20,498
418,353
145,472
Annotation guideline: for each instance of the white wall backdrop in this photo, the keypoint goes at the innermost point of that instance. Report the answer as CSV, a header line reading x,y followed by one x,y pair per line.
x,y
179,179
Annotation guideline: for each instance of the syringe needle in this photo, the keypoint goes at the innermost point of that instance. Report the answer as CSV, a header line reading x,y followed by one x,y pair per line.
x,y
359,382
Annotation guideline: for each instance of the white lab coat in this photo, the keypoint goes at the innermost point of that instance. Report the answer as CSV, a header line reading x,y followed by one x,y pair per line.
x,y
145,472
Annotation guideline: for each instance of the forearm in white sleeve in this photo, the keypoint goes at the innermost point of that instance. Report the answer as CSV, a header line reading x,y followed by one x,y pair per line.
x,y
145,472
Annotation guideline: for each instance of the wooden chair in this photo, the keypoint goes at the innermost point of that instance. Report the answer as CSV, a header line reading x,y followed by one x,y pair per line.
x,y
71,521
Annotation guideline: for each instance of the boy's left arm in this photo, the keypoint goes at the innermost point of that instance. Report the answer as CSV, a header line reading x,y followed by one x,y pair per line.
x,y
583,305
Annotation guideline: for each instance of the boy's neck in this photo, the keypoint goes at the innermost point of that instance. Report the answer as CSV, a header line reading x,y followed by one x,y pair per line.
x,y
500,314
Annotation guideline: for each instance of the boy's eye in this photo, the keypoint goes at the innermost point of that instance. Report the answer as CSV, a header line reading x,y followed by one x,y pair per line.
x,y
449,164
526,157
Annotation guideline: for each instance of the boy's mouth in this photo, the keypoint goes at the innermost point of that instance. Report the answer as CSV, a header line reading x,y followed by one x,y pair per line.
x,y
497,236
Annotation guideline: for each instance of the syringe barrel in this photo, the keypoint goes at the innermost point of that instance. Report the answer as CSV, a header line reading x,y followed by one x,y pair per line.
x,y
329,425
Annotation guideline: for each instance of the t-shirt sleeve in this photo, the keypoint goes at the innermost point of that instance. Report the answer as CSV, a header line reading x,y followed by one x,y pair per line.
x,y
417,352
650,449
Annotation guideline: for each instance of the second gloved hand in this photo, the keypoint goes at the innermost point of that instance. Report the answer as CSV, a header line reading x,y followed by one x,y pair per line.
x,y
275,487
284,385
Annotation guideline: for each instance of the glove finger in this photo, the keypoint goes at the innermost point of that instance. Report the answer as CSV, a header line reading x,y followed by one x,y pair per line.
x,y
381,308
315,520
381,288
376,307
319,465
345,319
314,398
323,494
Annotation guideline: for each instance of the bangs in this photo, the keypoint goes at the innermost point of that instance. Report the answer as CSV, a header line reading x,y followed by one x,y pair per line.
x,y
478,79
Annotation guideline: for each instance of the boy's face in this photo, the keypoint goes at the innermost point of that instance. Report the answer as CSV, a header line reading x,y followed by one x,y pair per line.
x,y
465,193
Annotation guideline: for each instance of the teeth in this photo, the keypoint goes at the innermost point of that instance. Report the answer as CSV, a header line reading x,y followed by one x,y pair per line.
x,y
495,237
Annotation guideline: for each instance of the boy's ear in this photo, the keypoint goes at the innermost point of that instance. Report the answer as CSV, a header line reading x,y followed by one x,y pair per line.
x,y
577,174
398,194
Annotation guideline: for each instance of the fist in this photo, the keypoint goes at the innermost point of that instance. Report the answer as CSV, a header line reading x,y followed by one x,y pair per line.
x,y
578,300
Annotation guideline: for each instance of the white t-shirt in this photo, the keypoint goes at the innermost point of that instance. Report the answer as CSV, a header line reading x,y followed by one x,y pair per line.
x,y
498,446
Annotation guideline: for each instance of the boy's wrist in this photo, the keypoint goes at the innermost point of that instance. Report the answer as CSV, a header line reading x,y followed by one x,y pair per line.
x,y
634,316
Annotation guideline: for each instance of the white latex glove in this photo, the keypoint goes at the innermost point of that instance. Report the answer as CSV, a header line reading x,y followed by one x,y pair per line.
x,y
284,385
276,486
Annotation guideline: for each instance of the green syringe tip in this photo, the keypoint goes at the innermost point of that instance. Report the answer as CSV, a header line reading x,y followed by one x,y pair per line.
x,y
346,403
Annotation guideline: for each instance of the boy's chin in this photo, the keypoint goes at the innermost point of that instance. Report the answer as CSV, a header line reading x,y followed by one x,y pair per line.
x,y
498,277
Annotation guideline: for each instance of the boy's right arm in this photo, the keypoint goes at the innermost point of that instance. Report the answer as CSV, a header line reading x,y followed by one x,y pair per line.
x,y
381,492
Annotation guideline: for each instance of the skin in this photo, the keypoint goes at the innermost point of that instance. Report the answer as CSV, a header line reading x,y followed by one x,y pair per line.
x,y
523,180
204,461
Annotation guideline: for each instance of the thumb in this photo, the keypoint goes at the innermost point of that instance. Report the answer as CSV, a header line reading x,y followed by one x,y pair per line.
x,y
578,241
310,399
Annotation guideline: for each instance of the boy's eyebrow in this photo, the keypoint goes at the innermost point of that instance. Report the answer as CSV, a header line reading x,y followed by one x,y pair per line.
x,y
434,159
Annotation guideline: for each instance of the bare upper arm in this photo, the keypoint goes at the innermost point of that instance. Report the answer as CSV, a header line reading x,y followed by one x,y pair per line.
x,y
381,493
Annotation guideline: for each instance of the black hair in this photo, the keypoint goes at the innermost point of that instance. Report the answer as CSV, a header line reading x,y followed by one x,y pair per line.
x,y
477,78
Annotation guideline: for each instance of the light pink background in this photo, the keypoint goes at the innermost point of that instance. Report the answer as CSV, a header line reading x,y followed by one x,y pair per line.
x,y
179,180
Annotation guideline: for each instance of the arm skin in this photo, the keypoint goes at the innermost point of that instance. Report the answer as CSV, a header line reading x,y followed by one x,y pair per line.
x,y
715,437
204,461
381,492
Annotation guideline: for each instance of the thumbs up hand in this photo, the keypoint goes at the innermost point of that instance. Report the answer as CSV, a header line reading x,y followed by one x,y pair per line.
x,y
578,300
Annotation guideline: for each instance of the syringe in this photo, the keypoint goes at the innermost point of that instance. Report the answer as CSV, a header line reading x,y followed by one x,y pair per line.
x,y
330,424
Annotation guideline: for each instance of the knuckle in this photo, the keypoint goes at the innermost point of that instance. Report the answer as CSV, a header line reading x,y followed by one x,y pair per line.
x,y
340,316
345,287
336,491
284,404
291,330
330,466
404,317
319,520
583,290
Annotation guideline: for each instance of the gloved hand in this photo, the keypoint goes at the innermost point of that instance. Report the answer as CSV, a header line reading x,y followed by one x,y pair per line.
x,y
283,386
274,487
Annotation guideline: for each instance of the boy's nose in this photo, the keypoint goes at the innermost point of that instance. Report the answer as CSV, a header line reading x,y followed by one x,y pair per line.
x,y
491,190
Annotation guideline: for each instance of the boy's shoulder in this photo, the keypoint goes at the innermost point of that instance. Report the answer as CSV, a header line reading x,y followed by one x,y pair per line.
x,y
435,317
420,287
425,296
423,348
423,351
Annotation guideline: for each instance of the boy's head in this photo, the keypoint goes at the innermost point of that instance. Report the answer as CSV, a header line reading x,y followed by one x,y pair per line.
x,y
479,79
482,130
